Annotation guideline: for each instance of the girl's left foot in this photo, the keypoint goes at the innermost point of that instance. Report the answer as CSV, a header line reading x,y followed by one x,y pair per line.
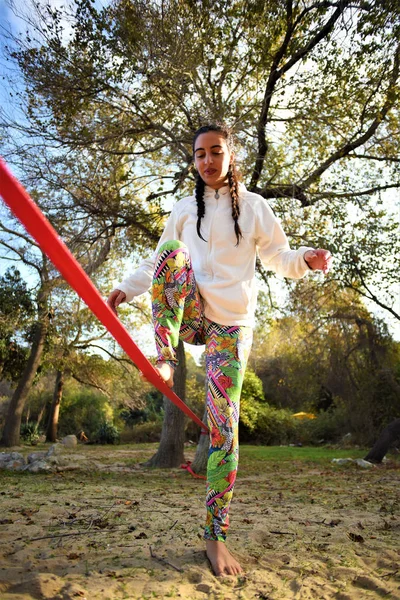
x,y
222,561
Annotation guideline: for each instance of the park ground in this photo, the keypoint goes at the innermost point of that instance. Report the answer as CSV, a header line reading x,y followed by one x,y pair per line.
x,y
302,527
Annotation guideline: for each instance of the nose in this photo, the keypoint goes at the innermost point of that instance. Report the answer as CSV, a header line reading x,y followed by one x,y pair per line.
x,y
208,159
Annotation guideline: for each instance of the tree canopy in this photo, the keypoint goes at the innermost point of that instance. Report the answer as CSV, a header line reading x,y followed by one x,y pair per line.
x,y
112,95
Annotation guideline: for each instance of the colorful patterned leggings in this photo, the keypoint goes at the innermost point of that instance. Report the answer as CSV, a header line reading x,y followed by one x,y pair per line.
x,y
178,314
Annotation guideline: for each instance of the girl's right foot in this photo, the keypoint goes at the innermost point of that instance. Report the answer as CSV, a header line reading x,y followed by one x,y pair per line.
x,y
166,373
221,560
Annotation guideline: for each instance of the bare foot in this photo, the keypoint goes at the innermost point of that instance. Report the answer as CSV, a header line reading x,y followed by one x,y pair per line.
x,y
222,561
166,373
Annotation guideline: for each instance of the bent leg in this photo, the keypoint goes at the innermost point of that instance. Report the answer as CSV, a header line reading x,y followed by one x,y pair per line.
x,y
227,352
176,303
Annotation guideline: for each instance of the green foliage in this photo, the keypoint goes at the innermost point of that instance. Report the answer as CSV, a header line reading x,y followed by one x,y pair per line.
x,y
328,352
142,433
85,410
107,433
251,400
314,104
133,416
328,428
30,433
272,426
16,313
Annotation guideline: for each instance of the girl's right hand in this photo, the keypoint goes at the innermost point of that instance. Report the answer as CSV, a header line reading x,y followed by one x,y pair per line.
x,y
115,299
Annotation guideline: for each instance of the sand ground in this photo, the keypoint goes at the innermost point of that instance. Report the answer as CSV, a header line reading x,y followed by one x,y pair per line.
x,y
113,530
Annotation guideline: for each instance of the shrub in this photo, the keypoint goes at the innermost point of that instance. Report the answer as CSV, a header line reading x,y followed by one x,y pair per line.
x,y
142,433
328,427
107,434
84,410
273,426
30,433
251,400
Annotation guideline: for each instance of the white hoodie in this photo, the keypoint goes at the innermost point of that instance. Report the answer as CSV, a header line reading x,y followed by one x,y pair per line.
x,y
225,272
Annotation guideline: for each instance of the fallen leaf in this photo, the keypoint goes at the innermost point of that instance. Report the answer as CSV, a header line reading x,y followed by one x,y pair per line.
x,y
356,538
100,523
28,512
334,522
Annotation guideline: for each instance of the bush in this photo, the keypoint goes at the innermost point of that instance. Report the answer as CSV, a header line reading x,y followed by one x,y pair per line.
x,y
328,427
107,434
30,433
272,427
142,433
85,410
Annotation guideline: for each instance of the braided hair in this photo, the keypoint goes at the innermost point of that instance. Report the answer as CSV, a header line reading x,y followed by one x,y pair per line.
x,y
233,181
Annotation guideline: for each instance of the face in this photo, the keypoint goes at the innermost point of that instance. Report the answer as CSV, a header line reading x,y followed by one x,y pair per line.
x,y
212,158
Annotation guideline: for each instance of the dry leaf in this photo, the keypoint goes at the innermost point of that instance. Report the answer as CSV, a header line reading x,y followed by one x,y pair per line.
x,y
356,538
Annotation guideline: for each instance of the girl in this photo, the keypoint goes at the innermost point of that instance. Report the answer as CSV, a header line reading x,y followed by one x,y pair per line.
x,y
202,277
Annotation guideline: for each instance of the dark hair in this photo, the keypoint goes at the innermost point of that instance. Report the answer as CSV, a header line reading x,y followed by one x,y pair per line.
x,y
233,180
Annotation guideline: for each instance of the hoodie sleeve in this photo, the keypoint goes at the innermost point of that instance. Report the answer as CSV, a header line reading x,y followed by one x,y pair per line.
x,y
273,246
139,281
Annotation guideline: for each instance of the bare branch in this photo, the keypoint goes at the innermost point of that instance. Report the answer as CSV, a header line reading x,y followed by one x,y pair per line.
x,y
276,74
349,147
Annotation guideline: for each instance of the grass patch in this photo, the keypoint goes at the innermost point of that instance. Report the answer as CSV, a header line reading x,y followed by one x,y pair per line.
x,y
307,453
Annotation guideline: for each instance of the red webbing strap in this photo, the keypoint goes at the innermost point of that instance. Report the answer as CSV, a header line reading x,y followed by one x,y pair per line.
x,y
188,468
40,229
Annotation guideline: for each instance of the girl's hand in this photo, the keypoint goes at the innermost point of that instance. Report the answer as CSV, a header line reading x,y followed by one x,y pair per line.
x,y
319,260
115,299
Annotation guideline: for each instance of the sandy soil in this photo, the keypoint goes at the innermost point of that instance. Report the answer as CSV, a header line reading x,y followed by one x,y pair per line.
x,y
116,530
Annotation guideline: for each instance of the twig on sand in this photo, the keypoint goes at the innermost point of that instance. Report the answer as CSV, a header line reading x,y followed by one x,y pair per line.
x,y
62,535
390,574
87,531
163,560
283,532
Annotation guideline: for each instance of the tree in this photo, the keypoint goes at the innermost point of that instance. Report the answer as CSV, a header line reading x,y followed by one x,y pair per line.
x,y
328,353
20,246
170,451
16,311
311,90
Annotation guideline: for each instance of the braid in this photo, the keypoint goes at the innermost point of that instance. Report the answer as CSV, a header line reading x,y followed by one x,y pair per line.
x,y
201,206
234,191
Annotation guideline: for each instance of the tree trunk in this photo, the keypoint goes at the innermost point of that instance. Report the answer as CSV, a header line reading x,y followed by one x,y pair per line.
x,y
11,431
388,437
52,425
199,464
170,451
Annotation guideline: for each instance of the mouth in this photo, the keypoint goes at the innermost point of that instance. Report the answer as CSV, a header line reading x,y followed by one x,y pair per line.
x,y
210,171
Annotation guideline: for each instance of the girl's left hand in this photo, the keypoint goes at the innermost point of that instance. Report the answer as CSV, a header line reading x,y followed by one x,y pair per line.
x,y
319,260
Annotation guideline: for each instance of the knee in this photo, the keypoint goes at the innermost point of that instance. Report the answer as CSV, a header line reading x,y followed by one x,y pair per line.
x,y
171,246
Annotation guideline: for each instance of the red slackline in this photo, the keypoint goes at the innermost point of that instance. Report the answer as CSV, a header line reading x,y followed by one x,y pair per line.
x,y
40,229
189,469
